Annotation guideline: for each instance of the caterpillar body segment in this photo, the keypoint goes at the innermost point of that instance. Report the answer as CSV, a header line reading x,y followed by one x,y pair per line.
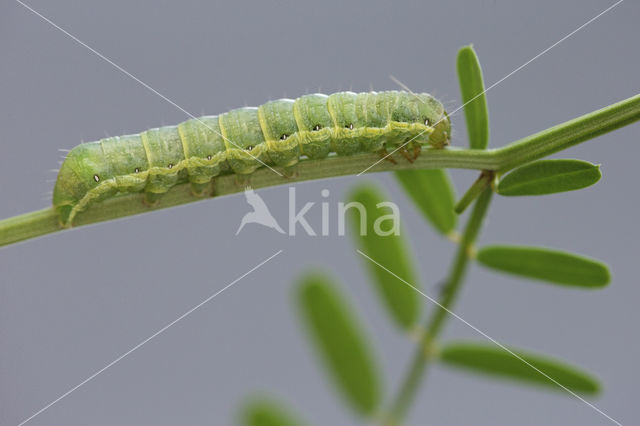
x,y
242,140
205,148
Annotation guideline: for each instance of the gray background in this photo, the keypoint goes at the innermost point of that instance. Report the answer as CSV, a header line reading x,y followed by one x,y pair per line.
x,y
72,302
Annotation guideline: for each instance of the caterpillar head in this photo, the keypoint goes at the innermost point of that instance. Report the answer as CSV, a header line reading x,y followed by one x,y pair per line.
x,y
441,134
432,112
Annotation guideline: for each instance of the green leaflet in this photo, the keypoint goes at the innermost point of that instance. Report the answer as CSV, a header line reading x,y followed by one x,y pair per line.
x,y
473,98
263,411
553,266
548,177
476,115
490,359
340,342
432,192
388,249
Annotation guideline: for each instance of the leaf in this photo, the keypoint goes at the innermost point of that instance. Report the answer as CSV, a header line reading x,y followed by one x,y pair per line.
x,y
341,343
473,98
263,411
545,264
548,177
495,361
432,192
401,301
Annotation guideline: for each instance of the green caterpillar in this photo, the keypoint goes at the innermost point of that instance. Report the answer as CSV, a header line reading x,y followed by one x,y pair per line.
x,y
277,133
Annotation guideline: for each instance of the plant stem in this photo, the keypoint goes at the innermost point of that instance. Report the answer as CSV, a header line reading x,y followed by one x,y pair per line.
x,y
434,325
544,143
44,221
484,180
569,133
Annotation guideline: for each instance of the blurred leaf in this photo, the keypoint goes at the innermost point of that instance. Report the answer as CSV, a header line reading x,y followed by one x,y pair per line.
x,y
432,192
544,264
389,250
493,360
263,411
340,342
471,85
548,177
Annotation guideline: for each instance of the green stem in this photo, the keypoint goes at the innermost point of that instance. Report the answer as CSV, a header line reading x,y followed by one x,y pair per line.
x,y
544,143
569,133
484,180
425,349
43,222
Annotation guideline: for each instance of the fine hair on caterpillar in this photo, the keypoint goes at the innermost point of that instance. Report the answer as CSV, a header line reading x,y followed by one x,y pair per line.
x,y
242,140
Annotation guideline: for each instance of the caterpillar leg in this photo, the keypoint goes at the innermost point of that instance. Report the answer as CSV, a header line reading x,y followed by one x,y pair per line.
x,y
64,215
406,154
243,180
290,171
201,189
151,199
411,151
417,149
384,154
